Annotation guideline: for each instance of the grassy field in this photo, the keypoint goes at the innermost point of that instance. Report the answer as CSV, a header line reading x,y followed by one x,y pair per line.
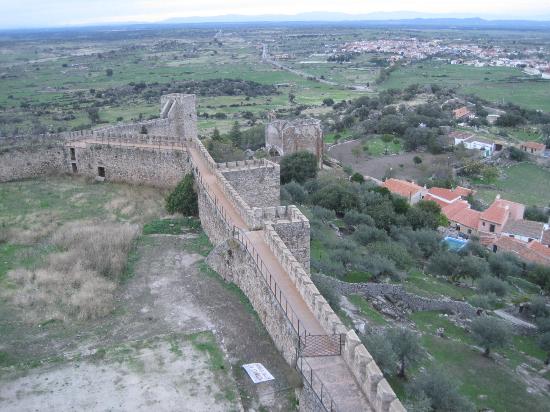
x,y
50,83
525,183
487,382
376,147
496,84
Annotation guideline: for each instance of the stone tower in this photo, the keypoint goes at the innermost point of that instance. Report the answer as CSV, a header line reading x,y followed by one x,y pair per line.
x,y
180,110
286,137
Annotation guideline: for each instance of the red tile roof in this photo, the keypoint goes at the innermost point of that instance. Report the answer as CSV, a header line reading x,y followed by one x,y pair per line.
x,y
402,187
468,218
436,200
534,145
451,209
450,194
500,210
463,191
461,112
540,249
532,252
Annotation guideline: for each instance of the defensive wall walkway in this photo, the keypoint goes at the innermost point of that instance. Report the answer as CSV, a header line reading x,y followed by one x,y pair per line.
x,y
328,373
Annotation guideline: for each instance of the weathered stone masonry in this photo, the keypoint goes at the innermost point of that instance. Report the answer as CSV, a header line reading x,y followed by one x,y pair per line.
x,y
160,158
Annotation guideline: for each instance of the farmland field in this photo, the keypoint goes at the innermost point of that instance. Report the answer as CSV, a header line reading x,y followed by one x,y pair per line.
x,y
525,183
496,84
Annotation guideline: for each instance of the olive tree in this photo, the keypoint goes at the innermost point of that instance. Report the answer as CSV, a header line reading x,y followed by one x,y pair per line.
x,y
490,333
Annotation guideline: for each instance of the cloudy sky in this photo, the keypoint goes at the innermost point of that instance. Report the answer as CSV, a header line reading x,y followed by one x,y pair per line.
x,y
44,13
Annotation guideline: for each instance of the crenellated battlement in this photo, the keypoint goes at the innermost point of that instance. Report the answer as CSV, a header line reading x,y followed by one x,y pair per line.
x,y
237,200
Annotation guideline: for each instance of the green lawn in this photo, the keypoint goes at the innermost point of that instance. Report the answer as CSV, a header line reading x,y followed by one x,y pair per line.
x,y
526,183
367,310
489,384
342,136
377,147
430,286
496,84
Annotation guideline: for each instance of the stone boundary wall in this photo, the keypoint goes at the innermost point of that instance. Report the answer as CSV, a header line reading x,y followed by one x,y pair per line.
x,y
137,139
416,303
365,370
45,137
159,127
246,164
136,165
25,162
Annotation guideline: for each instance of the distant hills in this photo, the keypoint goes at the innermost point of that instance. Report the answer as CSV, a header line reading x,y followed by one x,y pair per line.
x,y
403,18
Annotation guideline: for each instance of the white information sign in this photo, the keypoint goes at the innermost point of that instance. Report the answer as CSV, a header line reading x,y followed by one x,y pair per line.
x,y
258,373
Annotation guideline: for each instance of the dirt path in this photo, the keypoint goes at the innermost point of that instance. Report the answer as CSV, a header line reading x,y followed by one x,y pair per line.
x,y
168,294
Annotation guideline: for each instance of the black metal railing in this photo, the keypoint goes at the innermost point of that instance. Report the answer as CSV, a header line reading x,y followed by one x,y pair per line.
x,y
318,388
320,345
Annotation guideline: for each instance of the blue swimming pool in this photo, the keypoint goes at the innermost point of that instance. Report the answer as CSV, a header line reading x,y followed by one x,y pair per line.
x,y
453,243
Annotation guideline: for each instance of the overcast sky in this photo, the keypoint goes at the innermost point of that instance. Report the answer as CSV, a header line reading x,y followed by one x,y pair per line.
x,y
44,13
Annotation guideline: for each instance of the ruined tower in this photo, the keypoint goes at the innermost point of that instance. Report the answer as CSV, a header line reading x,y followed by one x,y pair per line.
x,y
286,137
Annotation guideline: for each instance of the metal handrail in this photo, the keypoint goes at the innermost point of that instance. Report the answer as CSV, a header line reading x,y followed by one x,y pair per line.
x,y
322,395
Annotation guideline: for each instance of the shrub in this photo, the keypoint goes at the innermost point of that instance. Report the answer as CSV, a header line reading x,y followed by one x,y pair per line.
x,y
329,293
417,160
323,214
503,265
441,391
353,218
517,154
367,234
536,214
490,284
299,166
486,301
394,251
444,264
472,267
184,198
357,177
378,266
297,193
337,197
538,307
490,333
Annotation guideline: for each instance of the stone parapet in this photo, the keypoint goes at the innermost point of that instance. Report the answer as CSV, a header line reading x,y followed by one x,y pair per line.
x,y
369,376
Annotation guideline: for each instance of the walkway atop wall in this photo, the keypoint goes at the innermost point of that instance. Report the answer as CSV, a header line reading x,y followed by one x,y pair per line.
x,y
332,370
118,143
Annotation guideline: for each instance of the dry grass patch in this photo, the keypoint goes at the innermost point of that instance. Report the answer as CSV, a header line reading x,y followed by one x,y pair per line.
x,y
79,281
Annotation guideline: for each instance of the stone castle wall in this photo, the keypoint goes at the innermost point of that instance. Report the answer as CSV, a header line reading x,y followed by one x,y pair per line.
x,y
231,260
365,370
253,189
300,135
24,162
149,166
258,185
